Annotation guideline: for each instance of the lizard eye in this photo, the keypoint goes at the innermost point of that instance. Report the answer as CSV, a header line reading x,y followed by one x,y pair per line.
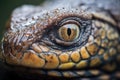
x,y
69,31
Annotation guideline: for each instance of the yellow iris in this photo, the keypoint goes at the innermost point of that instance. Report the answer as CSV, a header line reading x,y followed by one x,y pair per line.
x,y
69,32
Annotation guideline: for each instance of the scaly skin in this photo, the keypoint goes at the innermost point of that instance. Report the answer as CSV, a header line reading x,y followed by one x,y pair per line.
x,y
31,40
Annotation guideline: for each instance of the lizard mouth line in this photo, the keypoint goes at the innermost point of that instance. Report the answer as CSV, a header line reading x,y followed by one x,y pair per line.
x,y
68,73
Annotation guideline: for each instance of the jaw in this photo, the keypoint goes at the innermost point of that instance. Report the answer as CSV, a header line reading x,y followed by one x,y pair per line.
x,y
70,74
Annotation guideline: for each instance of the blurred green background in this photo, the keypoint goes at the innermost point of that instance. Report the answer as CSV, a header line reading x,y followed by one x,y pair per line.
x,y
7,6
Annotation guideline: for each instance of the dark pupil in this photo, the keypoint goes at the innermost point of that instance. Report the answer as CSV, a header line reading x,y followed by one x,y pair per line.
x,y
69,31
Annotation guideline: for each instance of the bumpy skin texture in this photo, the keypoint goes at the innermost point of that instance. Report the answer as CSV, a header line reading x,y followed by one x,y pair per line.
x,y
31,43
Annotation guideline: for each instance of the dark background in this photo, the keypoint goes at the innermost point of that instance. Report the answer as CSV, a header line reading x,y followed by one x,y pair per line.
x,y
6,8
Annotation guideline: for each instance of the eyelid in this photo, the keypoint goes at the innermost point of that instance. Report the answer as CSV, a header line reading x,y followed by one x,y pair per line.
x,y
69,22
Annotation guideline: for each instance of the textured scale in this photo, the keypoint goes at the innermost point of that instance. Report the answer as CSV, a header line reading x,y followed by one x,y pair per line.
x,y
24,47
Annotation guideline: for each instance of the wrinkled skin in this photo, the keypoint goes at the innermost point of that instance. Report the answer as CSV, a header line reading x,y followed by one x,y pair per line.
x,y
36,46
